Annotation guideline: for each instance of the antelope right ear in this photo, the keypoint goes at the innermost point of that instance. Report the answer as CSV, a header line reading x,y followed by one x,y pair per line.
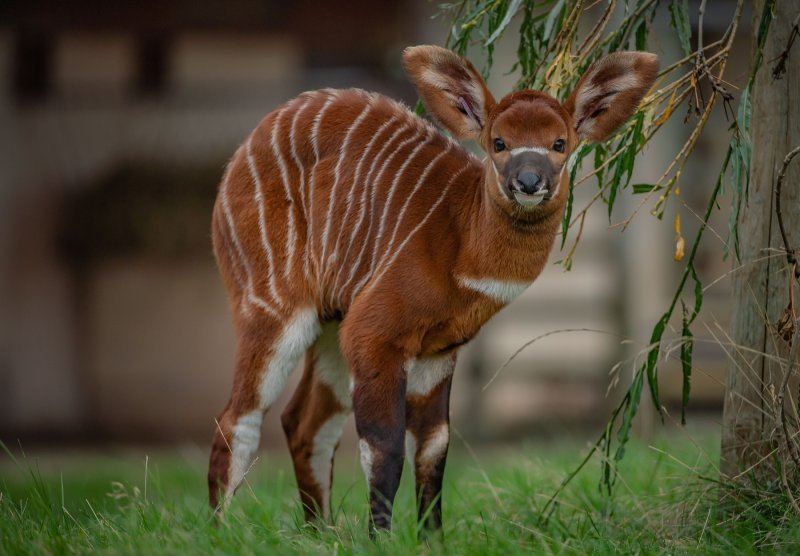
x,y
451,89
609,93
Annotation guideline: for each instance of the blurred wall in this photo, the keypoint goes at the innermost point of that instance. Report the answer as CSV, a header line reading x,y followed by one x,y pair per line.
x,y
116,125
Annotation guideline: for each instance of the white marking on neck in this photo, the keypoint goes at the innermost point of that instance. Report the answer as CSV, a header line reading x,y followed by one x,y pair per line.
x,y
520,150
423,375
299,334
500,290
321,460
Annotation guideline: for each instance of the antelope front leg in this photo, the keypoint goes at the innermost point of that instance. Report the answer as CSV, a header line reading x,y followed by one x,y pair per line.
x,y
380,412
428,433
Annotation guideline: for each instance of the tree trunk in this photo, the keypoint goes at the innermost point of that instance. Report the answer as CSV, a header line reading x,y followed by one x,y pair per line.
x,y
761,288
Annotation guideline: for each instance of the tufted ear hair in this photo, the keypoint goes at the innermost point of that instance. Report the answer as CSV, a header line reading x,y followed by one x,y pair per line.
x,y
609,93
451,89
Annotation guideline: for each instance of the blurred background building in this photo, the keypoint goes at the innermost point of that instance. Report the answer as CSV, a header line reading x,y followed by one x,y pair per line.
x,y
115,122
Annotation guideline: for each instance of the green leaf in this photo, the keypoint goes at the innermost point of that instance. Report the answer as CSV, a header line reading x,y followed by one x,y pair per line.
x,y
550,22
573,163
512,11
687,347
639,188
679,16
631,403
651,364
641,36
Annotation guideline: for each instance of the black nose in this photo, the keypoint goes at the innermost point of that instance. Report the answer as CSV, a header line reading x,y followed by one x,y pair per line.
x,y
530,182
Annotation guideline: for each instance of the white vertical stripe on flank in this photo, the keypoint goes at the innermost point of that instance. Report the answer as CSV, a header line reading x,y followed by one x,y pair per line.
x,y
413,232
262,226
310,214
296,157
226,210
375,182
410,197
388,202
227,246
362,201
337,174
291,232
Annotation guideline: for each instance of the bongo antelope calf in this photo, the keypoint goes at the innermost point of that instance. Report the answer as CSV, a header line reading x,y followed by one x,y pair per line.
x,y
350,230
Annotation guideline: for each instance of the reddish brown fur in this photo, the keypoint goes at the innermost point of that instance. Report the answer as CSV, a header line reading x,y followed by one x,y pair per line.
x,y
371,218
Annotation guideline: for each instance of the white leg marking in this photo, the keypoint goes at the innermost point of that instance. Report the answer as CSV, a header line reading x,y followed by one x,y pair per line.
x,y
423,375
499,290
411,234
226,209
410,197
291,233
434,446
337,178
298,335
325,442
243,444
366,460
262,226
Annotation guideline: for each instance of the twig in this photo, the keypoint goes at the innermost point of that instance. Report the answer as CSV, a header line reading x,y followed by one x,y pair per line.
x,y
780,67
790,253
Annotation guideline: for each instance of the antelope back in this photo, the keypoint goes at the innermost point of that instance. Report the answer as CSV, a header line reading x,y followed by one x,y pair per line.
x,y
326,193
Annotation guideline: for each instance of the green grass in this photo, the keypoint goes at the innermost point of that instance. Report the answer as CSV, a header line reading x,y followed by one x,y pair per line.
x,y
492,505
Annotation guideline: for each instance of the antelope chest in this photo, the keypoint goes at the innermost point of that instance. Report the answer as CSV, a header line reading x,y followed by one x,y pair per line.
x,y
477,301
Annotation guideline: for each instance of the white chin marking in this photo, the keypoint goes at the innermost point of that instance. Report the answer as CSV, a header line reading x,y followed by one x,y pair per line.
x,y
529,201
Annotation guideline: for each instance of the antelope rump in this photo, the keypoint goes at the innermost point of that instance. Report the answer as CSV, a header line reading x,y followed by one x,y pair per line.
x,y
350,230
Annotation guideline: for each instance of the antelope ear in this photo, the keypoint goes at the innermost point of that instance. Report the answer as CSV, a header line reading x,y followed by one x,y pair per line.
x,y
451,89
609,92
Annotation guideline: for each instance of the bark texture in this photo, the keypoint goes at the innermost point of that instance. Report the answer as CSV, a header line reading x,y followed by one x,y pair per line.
x,y
761,289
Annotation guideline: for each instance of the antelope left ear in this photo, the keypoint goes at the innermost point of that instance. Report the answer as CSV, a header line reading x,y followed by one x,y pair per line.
x,y
609,92
451,89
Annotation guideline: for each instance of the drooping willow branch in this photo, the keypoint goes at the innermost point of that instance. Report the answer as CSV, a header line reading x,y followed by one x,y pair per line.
x,y
552,53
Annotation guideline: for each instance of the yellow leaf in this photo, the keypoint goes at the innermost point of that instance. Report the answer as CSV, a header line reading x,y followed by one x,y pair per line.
x,y
668,110
679,249
680,243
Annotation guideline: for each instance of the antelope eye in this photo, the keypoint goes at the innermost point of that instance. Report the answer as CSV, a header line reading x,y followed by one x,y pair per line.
x,y
559,145
499,145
